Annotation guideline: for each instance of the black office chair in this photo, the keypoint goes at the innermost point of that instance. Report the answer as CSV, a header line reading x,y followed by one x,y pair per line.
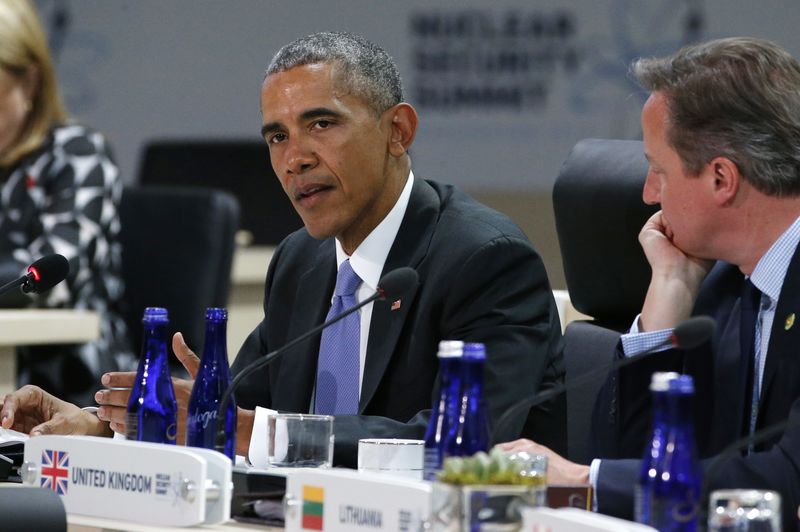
x,y
242,167
177,251
599,212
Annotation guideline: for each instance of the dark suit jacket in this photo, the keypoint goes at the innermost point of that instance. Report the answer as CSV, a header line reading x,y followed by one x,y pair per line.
x,y
480,280
720,371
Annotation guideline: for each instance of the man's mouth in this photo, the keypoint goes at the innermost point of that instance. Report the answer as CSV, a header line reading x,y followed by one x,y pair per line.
x,y
310,191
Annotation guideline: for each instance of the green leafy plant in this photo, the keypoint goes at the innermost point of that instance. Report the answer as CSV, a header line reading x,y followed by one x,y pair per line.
x,y
494,468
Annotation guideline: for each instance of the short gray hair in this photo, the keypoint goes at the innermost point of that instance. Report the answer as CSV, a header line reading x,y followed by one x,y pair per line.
x,y
738,98
366,70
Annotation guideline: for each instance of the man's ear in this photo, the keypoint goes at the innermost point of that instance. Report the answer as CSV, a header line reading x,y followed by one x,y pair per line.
x,y
403,127
726,179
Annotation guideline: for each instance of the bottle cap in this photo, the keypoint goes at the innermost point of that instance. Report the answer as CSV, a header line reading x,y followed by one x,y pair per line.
x,y
216,314
659,382
683,384
450,349
155,314
475,351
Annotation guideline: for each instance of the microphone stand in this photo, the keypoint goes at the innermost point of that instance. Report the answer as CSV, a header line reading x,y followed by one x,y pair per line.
x,y
686,335
24,280
540,398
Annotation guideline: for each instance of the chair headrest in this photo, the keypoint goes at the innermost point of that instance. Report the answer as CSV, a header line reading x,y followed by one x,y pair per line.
x,y
599,212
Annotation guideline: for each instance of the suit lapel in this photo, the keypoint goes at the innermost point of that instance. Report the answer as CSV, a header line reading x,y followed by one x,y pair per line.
x,y
409,248
784,340
730,378
295,379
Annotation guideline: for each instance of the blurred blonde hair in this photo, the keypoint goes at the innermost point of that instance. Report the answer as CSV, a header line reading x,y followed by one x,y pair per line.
x,y
23,46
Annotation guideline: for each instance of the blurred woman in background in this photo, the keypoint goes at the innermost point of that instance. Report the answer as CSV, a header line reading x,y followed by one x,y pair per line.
x,y
60,193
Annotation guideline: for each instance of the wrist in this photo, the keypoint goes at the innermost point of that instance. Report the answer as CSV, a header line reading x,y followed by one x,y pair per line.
x,y
582,474
668,302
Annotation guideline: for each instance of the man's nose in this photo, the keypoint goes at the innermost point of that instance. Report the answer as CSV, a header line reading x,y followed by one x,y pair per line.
x,y
651,192
299,158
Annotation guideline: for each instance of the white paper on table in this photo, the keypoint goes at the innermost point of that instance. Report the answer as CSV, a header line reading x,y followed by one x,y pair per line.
x,y
7,435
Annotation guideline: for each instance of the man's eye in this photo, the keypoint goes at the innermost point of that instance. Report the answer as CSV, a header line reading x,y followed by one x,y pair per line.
x,y
322,124
276,138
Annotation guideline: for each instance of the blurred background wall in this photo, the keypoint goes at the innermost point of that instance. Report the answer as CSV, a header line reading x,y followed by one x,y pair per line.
x,y
504,88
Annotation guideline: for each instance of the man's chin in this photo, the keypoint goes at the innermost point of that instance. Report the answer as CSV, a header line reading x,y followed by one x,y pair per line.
x,y
318,232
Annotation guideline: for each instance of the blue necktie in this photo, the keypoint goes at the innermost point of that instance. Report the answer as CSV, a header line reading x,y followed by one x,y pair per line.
x,y
338,364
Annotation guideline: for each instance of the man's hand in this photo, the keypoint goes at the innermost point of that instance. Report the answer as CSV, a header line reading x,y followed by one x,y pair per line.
x,y
33,411
114,400
676,277
559,469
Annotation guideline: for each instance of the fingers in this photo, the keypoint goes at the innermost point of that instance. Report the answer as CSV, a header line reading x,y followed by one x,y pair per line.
x,y
57,425
113,414
8,410
26,398
118,427
185,355
519,446
116,397
118,379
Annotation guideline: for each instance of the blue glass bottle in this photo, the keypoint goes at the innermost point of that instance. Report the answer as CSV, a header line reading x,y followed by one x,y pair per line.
x,y
445,410
152,411
470,433
213,378
674,496
654,454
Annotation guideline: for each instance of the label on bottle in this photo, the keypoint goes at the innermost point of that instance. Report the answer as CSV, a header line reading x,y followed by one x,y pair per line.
x,y
202,419
679,511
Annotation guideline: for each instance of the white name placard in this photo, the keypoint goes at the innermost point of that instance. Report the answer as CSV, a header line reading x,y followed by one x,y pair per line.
x,y
345,500
132,481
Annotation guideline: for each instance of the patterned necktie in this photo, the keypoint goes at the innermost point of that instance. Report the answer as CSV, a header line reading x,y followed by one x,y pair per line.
x,y
338,364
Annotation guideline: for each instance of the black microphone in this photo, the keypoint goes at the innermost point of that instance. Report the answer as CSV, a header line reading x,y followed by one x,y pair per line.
x,y
42,275
686,335
393,285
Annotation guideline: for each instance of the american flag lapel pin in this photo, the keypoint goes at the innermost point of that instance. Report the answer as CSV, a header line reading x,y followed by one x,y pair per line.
x,y
395,305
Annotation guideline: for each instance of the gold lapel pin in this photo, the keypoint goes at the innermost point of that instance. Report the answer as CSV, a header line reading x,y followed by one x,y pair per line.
x,y
789,322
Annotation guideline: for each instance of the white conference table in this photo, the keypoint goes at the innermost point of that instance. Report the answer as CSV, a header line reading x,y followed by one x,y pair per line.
x,y
82,523
37,327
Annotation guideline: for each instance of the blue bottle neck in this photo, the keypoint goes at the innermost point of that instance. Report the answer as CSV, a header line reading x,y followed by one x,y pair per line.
x,y
678,414
154,348
473,378
215,349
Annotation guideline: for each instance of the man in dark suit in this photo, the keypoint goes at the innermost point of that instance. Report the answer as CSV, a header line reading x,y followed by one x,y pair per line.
x,y
722,135
339,133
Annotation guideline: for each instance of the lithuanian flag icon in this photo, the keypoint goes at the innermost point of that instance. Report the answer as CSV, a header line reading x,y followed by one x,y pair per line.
x,y
313,498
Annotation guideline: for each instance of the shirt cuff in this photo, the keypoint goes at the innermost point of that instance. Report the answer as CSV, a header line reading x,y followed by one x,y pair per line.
x,y
257,453
594,470
635,342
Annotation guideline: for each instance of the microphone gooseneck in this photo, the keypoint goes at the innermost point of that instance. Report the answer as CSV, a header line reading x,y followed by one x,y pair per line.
x,y
42,275
393,285
686,335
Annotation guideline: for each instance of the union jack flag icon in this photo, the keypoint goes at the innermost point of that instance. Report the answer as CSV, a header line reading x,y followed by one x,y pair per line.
x,y
55,471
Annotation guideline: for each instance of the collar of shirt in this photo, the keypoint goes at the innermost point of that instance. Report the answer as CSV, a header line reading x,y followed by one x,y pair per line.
x,y
770,271
369,257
